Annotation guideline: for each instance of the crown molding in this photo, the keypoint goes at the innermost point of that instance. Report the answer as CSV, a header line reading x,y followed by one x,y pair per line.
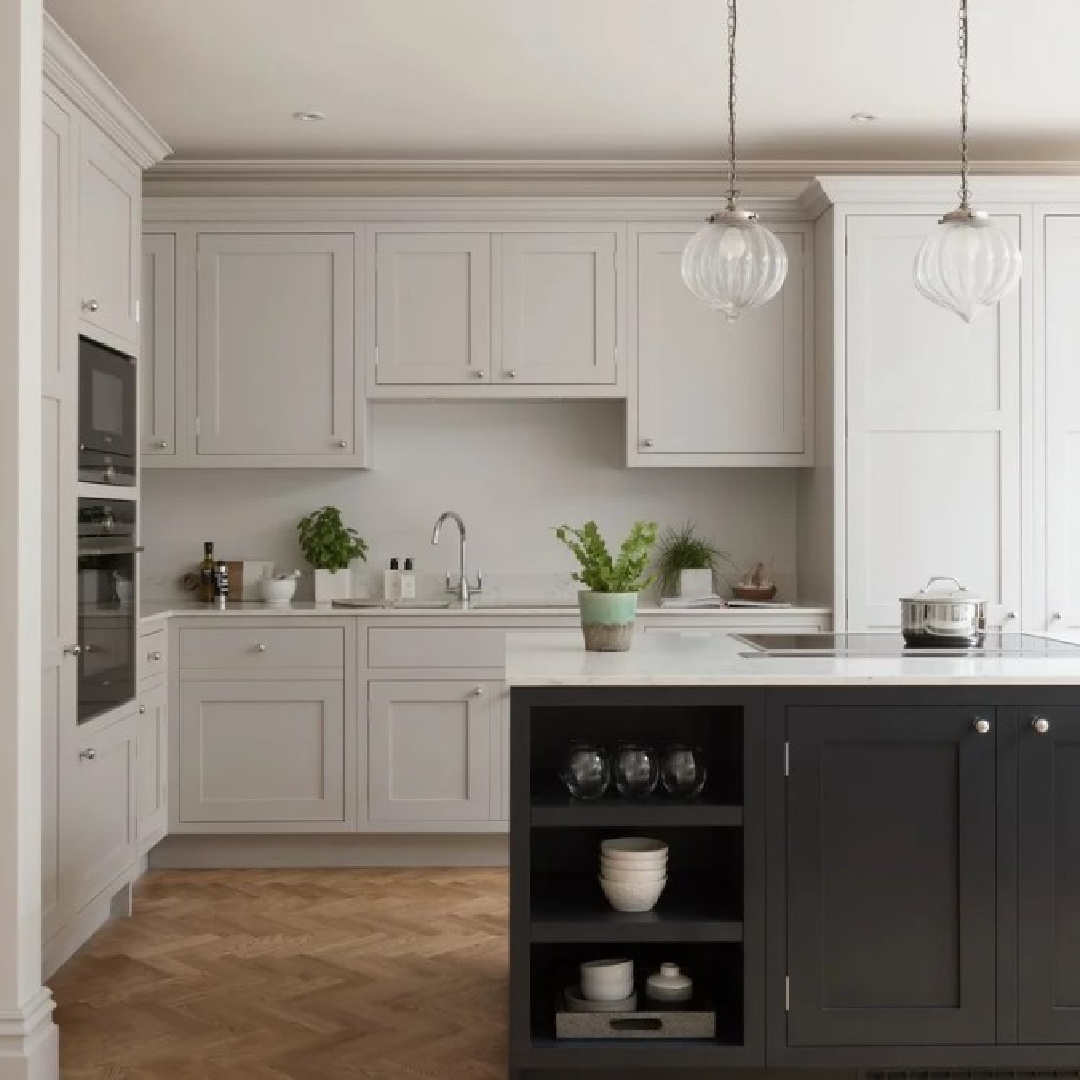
x,y
73,73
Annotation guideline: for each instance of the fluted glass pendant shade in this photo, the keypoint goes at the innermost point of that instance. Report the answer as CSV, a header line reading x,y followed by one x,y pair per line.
x,y
734,263
968,264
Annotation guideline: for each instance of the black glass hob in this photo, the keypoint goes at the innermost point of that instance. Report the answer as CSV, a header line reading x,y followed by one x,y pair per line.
x,y
886,645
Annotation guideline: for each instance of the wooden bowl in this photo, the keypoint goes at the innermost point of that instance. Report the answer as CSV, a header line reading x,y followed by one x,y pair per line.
x,y
753,592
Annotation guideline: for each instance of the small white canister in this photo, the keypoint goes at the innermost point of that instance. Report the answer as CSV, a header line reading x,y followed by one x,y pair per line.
x,y
669,984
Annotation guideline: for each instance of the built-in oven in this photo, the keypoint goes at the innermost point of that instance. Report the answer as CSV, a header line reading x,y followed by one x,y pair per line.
x,y
107,622
108,410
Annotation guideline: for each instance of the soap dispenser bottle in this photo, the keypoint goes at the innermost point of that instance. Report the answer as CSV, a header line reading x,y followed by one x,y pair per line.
x,y
407,589
392,582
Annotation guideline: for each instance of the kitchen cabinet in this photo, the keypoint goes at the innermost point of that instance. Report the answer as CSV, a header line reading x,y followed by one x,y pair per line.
x,y
555,309
59,449
433,751
265,752
157,358
933,453
891,864
97,807
432,308
1061,432
275,364
1049,874
151,755
110,194
706,391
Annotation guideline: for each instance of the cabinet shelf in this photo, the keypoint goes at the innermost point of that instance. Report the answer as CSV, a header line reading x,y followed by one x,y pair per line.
x,y
554,810
570,908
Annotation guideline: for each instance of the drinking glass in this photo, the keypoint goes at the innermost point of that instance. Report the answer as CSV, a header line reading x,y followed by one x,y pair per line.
x,y
636,770
586,771
684,770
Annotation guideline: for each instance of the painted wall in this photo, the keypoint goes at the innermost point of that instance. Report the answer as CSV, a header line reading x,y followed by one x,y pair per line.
x,y
511,470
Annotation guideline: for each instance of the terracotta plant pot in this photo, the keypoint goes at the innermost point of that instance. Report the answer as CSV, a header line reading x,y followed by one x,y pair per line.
x,y
607,620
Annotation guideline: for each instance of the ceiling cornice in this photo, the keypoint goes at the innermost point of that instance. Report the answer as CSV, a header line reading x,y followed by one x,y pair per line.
x,y
72,72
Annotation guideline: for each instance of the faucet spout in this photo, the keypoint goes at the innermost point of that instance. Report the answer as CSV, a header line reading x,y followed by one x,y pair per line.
x,y
463,589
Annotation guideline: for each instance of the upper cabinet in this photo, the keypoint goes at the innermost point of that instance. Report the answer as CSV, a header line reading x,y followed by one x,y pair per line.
x,y
531,313
109,222
707,391
933,432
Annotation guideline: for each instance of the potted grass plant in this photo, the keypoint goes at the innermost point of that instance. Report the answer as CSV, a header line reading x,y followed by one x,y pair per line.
x,y
329,545
686,563
608,602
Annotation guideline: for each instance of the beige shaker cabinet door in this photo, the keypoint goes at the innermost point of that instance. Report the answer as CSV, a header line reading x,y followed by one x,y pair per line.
x,y
555,308
262,752
432,308
709,391
275,359
97,808
151,784
157,358
1062,437
110,195
431,753
933,439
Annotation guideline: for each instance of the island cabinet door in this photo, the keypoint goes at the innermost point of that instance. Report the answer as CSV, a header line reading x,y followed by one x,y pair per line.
x,y
1049,865
891,876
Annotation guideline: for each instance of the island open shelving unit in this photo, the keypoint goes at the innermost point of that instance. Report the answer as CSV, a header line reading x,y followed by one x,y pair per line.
x,y
709,919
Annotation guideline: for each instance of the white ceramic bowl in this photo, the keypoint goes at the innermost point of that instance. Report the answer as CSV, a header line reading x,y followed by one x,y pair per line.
x,y
607,980
277,590
624,896
632,876
633,849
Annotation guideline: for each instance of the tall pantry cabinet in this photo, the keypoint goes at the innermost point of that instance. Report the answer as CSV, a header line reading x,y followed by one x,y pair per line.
x,y
94,148
946,447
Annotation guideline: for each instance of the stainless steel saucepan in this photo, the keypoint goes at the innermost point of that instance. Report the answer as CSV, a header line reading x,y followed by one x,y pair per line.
x,y
943,612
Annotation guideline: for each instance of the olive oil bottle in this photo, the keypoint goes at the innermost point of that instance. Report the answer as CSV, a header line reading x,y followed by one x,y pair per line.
x,y
206,573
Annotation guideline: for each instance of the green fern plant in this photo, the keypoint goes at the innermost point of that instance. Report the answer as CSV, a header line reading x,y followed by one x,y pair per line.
x,y
327,543
681,548
599,570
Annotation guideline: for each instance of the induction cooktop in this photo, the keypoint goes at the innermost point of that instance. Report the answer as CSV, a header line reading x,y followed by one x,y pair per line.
x,y
883,645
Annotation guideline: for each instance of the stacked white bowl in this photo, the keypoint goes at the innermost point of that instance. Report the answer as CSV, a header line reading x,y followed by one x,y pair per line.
x,y
633,872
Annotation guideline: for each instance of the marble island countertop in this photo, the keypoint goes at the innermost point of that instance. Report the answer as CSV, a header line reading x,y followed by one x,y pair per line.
x,y
700,657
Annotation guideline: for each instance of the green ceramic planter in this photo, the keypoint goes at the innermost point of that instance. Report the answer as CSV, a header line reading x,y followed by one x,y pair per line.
x,y
607,620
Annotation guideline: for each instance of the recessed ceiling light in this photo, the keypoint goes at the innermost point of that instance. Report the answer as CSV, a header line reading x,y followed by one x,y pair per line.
x,y
864,117
309,116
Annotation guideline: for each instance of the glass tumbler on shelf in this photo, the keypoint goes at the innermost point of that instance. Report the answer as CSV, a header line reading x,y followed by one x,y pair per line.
x,y
586,771
637,770
684,770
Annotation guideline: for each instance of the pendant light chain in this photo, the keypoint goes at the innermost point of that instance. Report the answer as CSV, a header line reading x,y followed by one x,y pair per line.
x,y
965,192
733,176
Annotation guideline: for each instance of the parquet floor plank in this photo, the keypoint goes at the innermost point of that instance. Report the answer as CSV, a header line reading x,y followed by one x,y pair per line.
x,y
293,975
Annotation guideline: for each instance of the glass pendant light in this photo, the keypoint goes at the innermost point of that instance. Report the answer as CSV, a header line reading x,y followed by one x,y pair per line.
x,y
969,263
733,263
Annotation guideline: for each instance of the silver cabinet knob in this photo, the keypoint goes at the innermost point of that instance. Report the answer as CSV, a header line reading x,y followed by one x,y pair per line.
x,y
153,657
142,710
261,647
981,726
479,374
162,444
88,754
342,443
1040,725
72,650
511,374
1057,616
1010,615
478,691
90,305
648,442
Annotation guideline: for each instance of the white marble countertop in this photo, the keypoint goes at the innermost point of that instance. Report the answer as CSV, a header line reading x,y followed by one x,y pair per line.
x,y
490,608
712,658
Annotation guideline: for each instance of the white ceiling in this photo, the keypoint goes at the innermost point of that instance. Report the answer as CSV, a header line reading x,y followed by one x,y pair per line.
x,y
641,79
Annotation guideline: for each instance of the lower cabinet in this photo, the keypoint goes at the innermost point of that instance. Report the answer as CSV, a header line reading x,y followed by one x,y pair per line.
x,y
891,876
97,807
151,784
434,753
267,752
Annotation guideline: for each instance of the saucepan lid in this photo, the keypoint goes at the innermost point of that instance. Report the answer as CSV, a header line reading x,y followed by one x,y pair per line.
x,y
937,590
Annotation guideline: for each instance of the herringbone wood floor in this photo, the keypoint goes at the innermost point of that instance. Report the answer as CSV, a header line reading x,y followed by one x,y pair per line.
x,y
293,975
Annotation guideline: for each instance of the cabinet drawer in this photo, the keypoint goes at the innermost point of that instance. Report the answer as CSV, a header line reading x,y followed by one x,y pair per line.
x,y
269,649
431,647
154,659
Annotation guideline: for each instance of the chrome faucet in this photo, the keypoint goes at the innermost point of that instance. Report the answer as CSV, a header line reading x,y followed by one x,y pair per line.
x,y
463,590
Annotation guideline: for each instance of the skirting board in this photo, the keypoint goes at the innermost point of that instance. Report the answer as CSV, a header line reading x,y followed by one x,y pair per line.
x,y
280,852
60,948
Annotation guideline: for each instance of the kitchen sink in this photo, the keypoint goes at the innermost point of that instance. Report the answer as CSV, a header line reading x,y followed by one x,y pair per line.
x,y
558,605
366,603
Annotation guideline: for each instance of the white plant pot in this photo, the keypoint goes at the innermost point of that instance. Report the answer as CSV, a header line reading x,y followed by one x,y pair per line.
x,y
332,585
695,584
